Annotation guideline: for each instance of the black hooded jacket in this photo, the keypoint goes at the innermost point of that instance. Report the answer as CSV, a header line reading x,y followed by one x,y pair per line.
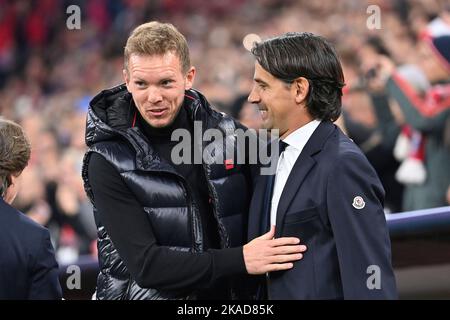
x,y
168,203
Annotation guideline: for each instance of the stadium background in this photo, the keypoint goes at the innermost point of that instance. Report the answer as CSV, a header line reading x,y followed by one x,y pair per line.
x,y
48,74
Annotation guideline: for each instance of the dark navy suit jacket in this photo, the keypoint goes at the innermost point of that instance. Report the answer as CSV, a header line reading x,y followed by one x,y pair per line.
x,y
349,252
28,269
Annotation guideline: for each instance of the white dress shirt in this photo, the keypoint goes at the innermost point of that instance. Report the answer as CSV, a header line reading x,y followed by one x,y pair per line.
x,y
296,142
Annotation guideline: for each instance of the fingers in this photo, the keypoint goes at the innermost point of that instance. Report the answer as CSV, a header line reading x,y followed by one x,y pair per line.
x,y
283,258
266,254
277,263
279,267
279,241
284,241
260,257
288,249
269,235
282,262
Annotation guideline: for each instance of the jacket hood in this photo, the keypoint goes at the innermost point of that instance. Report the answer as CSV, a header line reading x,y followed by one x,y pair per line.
x,y
112,113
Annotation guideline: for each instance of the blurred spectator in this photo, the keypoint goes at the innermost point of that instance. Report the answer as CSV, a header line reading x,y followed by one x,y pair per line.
x,y
425,169
246,113
29,269
373,135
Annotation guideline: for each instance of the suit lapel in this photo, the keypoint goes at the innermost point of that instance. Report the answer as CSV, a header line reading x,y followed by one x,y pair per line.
x,y
298,174
257,208
305,162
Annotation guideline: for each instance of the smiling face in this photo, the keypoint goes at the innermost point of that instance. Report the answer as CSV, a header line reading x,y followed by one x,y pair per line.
x,y
281,105
157,84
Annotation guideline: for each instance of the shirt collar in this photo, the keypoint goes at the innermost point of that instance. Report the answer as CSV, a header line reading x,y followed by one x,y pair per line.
x,y
300,137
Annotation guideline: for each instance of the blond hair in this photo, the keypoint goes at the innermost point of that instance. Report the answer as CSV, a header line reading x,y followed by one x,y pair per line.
x,y
156,38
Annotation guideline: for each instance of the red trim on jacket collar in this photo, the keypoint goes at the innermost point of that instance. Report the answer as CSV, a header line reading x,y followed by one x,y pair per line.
x,y
134,119
187,96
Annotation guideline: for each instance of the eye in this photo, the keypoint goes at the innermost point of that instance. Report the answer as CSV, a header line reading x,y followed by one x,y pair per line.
x,y
262,86
166,83
139,83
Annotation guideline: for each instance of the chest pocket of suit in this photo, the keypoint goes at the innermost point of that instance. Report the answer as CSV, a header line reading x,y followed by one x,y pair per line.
x,y
305,224
301,216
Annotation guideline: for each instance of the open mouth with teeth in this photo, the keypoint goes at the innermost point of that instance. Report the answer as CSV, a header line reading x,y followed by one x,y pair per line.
x,y
263,112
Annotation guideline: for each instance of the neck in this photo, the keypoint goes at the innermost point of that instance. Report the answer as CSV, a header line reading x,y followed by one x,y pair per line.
x,y
296,125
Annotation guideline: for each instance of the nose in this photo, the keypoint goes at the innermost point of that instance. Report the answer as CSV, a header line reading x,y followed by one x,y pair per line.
x,y
154,95
253,96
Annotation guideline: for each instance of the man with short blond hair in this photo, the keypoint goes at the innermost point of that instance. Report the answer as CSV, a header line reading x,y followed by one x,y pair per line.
x,y
154,38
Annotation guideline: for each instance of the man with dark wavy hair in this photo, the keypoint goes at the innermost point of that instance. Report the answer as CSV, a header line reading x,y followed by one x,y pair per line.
x,y
28,266
324,190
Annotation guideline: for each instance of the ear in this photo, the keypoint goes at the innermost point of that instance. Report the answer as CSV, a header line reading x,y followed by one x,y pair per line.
x,y
300,86
11,191
190,76
126,78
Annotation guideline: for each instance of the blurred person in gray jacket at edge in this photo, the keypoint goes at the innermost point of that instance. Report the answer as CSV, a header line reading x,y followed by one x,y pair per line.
x,y
28,266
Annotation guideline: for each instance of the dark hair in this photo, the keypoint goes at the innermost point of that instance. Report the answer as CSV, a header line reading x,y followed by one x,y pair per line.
x,y
237,104
377,44
14,152
295,55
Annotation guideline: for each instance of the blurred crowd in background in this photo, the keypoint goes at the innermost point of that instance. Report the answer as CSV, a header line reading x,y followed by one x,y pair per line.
x,y
48,74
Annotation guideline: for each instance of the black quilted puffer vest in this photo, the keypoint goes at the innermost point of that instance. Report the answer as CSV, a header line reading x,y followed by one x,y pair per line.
x,y
160,190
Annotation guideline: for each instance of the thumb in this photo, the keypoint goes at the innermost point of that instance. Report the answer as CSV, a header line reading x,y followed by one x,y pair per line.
x,y
269,235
